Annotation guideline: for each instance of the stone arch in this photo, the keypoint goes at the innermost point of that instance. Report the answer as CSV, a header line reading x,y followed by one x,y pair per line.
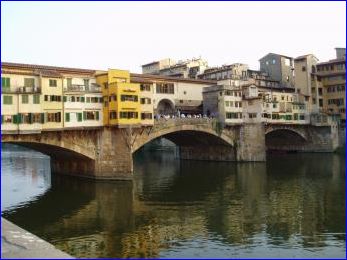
x,y
71,144
186,131
166,107
285,139
302,134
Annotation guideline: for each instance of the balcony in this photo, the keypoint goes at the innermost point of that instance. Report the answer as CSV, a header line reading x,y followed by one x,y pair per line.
x,y
19,90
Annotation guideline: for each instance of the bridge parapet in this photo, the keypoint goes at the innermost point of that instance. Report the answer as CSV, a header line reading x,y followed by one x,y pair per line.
x,y
171,122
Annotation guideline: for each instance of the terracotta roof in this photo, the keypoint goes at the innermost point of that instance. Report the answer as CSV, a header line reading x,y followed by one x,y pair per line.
x,y
49,73
135,76
45,67
332,62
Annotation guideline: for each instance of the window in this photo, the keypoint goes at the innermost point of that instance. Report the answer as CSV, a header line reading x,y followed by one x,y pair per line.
x,y
52,82
128,115
113,115
91,115
303,68
67,117
165,88
86,83
274,105
145,87
53,98
72,99
275,116
7,100
302,117
144,101
5,82
54,117
25,99
29,82
231,115
320,91
88,99
36,99
273,61
145,116
252,115
69,82
79,117
321,102
131,98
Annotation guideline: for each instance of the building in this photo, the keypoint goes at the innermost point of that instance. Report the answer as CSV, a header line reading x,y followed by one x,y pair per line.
x,y
173,95
279,68
155,66
121,104
223,102
305,82
39,97
250,103
232,71
331,83
181,69
82,100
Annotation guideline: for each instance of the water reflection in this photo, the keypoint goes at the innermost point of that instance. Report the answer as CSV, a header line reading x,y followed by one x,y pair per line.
x,y
291,206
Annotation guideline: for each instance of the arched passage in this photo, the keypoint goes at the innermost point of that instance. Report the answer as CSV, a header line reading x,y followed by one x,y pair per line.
x,y
165,107
284,140
196,144
63,160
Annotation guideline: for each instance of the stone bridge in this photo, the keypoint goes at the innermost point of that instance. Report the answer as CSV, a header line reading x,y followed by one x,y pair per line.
x,y
107,152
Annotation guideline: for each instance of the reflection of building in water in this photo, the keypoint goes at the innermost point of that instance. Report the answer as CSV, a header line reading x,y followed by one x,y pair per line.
x,y
287,200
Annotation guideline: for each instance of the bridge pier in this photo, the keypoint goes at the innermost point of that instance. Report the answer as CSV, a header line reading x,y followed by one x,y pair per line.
x,y
250,144
113,159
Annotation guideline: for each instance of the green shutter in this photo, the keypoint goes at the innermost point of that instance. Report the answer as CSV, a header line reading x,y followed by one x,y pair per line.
x,y
84,115
19,118
64,98
97,115
67,117
42,118
82,99
79,117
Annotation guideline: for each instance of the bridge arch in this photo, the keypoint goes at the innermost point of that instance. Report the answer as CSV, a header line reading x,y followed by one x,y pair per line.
x,y
187,135
285,138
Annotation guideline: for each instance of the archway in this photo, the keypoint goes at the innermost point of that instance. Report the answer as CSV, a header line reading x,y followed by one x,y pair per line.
x,y
165,107
285,140
197,145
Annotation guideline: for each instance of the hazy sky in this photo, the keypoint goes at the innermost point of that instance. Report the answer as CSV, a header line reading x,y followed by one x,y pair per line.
x,y
101,35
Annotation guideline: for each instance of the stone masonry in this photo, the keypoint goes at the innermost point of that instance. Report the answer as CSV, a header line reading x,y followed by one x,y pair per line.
x,y
107,152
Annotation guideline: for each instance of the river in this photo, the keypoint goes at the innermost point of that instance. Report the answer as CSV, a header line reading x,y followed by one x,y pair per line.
x,y
292,206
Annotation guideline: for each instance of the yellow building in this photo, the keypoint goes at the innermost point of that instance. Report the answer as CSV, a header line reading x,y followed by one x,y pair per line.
x,y
121,98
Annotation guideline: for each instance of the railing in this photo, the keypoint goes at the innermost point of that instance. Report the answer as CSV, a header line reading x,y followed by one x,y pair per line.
x,y
19,90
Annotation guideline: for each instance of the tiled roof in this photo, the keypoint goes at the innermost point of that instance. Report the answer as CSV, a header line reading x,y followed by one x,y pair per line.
x,y
45,67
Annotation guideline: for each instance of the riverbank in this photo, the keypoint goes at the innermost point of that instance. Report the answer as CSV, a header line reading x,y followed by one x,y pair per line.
x,y
18,243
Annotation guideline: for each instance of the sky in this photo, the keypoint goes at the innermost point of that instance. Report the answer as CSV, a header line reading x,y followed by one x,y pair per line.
x,y
125,35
